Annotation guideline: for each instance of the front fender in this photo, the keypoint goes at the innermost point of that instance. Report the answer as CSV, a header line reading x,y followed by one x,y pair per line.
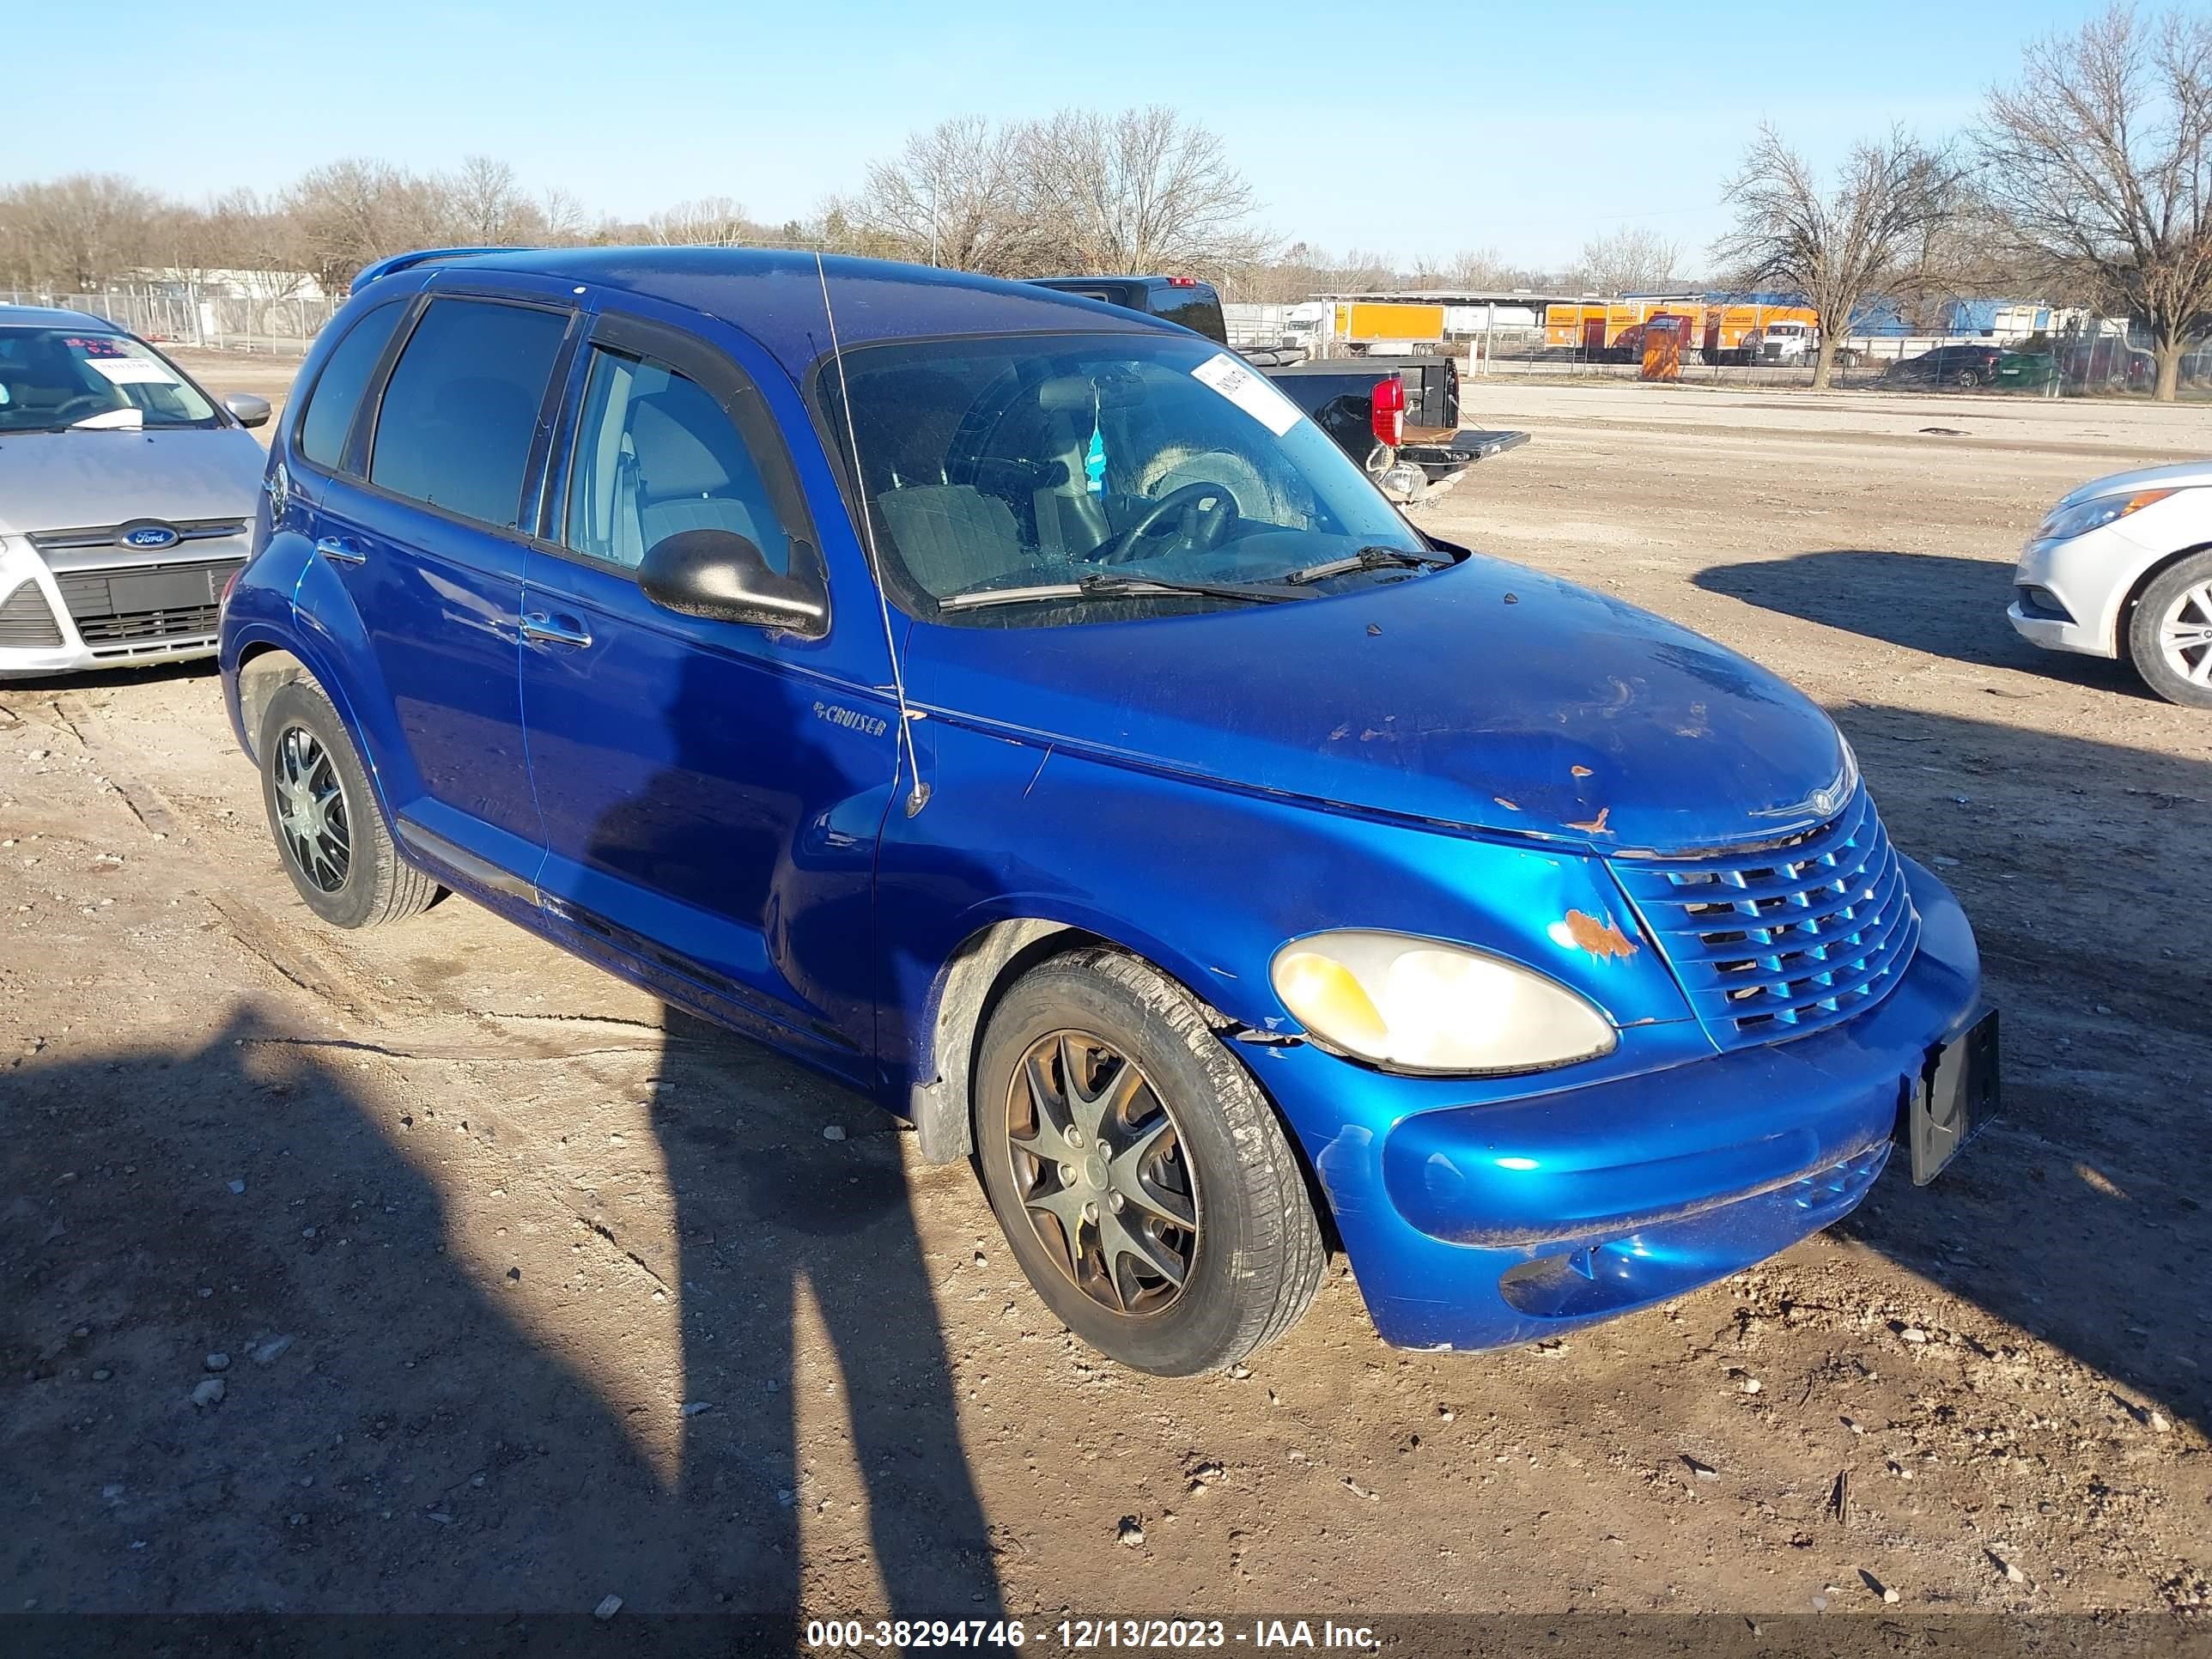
x,y
1208,883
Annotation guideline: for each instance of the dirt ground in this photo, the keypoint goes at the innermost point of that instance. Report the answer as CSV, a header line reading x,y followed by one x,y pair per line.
x,y
528,1293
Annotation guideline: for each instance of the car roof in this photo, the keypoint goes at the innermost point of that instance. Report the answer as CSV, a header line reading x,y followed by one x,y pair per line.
x,y
774,295
54,317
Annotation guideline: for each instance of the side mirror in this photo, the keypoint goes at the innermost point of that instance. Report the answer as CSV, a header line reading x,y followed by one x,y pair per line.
x,y
250,409
720,575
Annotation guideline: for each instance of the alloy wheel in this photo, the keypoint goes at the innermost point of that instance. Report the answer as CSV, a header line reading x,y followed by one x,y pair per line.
x,y
1102,1171
2184,635
311,808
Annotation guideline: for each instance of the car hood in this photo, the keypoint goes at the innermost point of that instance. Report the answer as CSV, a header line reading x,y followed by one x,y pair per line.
x,y
81,480
2182,475
1485,695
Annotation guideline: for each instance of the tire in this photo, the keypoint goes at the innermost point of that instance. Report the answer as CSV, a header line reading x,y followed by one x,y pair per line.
x,y
2173,608
1968,379
1251,1255
338,850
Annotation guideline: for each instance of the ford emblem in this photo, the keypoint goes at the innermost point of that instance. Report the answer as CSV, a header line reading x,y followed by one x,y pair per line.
x,y
150,538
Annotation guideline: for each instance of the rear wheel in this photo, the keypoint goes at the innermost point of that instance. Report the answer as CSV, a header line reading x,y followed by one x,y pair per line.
x,y
329,831
2170,632
1141,1177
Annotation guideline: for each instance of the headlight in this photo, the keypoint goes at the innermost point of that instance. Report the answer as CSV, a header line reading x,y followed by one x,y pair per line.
x,y
2082,517
1419,1005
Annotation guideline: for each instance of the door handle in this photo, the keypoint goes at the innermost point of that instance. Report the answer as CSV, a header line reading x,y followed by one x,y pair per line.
x,y
555,630
338,551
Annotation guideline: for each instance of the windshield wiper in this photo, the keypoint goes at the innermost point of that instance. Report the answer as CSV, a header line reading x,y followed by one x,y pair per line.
x,y
1370,558
1108,587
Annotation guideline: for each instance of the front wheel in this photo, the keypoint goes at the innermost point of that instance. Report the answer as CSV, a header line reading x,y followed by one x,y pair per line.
x,y
329,831
1141,1177
2170,633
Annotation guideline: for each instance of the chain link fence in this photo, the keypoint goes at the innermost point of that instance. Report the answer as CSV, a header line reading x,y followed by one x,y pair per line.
x,y
2106,362
281,325
1750,344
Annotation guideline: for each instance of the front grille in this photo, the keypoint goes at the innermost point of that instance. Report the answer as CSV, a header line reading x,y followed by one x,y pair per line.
x,y
131,626
1784,940
109,535
27,622
160,603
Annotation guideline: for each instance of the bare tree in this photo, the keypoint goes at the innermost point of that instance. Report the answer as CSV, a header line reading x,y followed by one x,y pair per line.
x,y
352,211
960,195
485,205
2100,160
704,221
1142,191
1633,257
1479,268
77,233
563,216
1867,232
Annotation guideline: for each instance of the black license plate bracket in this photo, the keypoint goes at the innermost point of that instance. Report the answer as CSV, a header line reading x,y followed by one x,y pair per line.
x,y
1956,1094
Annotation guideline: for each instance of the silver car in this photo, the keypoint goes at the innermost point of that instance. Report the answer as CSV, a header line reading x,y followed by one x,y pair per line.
x,y
126,496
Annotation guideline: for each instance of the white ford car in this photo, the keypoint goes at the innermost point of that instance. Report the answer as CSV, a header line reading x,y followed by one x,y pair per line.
x,y
126,496
2122,567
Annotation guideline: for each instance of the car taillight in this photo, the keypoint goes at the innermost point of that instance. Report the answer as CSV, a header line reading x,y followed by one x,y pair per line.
x,y
1183,281
228,588
1388,418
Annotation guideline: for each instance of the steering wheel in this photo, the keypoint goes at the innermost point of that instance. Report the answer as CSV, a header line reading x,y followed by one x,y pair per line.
x,y
1203,526
83,405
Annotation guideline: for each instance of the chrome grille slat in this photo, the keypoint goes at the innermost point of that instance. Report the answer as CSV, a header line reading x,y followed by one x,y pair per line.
x,y
188,530
1780,941
1866,921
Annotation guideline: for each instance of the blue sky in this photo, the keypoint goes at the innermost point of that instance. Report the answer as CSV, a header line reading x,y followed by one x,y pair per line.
x,y
1524,128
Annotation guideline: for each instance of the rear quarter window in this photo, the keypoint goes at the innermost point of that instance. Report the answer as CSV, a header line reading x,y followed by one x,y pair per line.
x,y
337,389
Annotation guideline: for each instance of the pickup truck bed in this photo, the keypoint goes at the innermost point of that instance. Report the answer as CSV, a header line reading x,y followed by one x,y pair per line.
x,y
1337,391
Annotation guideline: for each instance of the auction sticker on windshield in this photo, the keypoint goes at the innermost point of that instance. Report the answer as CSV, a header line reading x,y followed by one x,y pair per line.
x,y
1250,391
131,371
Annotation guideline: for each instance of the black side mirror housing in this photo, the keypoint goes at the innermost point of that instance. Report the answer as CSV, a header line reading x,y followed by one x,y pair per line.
x,y
722,576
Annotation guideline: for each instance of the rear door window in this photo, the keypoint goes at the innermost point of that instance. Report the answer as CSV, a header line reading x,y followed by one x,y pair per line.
x,y
460,410
346,375
1197,309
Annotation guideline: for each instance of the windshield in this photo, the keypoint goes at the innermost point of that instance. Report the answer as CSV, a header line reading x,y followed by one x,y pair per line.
x,y
1040,461
51,379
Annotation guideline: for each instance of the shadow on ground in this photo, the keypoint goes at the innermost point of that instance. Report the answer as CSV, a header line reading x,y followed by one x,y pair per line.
x,y
1948,607
388,1437
2082,1216
414,1447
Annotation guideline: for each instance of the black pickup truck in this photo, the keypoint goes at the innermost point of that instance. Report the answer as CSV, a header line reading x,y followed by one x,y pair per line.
x,y
1397,417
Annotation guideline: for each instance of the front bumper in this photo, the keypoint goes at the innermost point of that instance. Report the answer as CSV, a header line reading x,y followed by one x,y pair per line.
x,y
1474,1225
2067,594
41,634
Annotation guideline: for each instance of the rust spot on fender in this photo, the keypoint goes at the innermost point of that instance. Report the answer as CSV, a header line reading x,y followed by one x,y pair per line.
x,y
1594,826
1580,771
1602,940
1510,805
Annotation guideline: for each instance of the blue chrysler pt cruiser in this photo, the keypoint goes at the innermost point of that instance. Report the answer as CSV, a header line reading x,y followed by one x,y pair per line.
x,y
1013,707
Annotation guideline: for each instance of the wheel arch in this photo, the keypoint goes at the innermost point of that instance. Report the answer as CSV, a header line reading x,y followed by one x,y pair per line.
x,y
263,667
2124,614
969,986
